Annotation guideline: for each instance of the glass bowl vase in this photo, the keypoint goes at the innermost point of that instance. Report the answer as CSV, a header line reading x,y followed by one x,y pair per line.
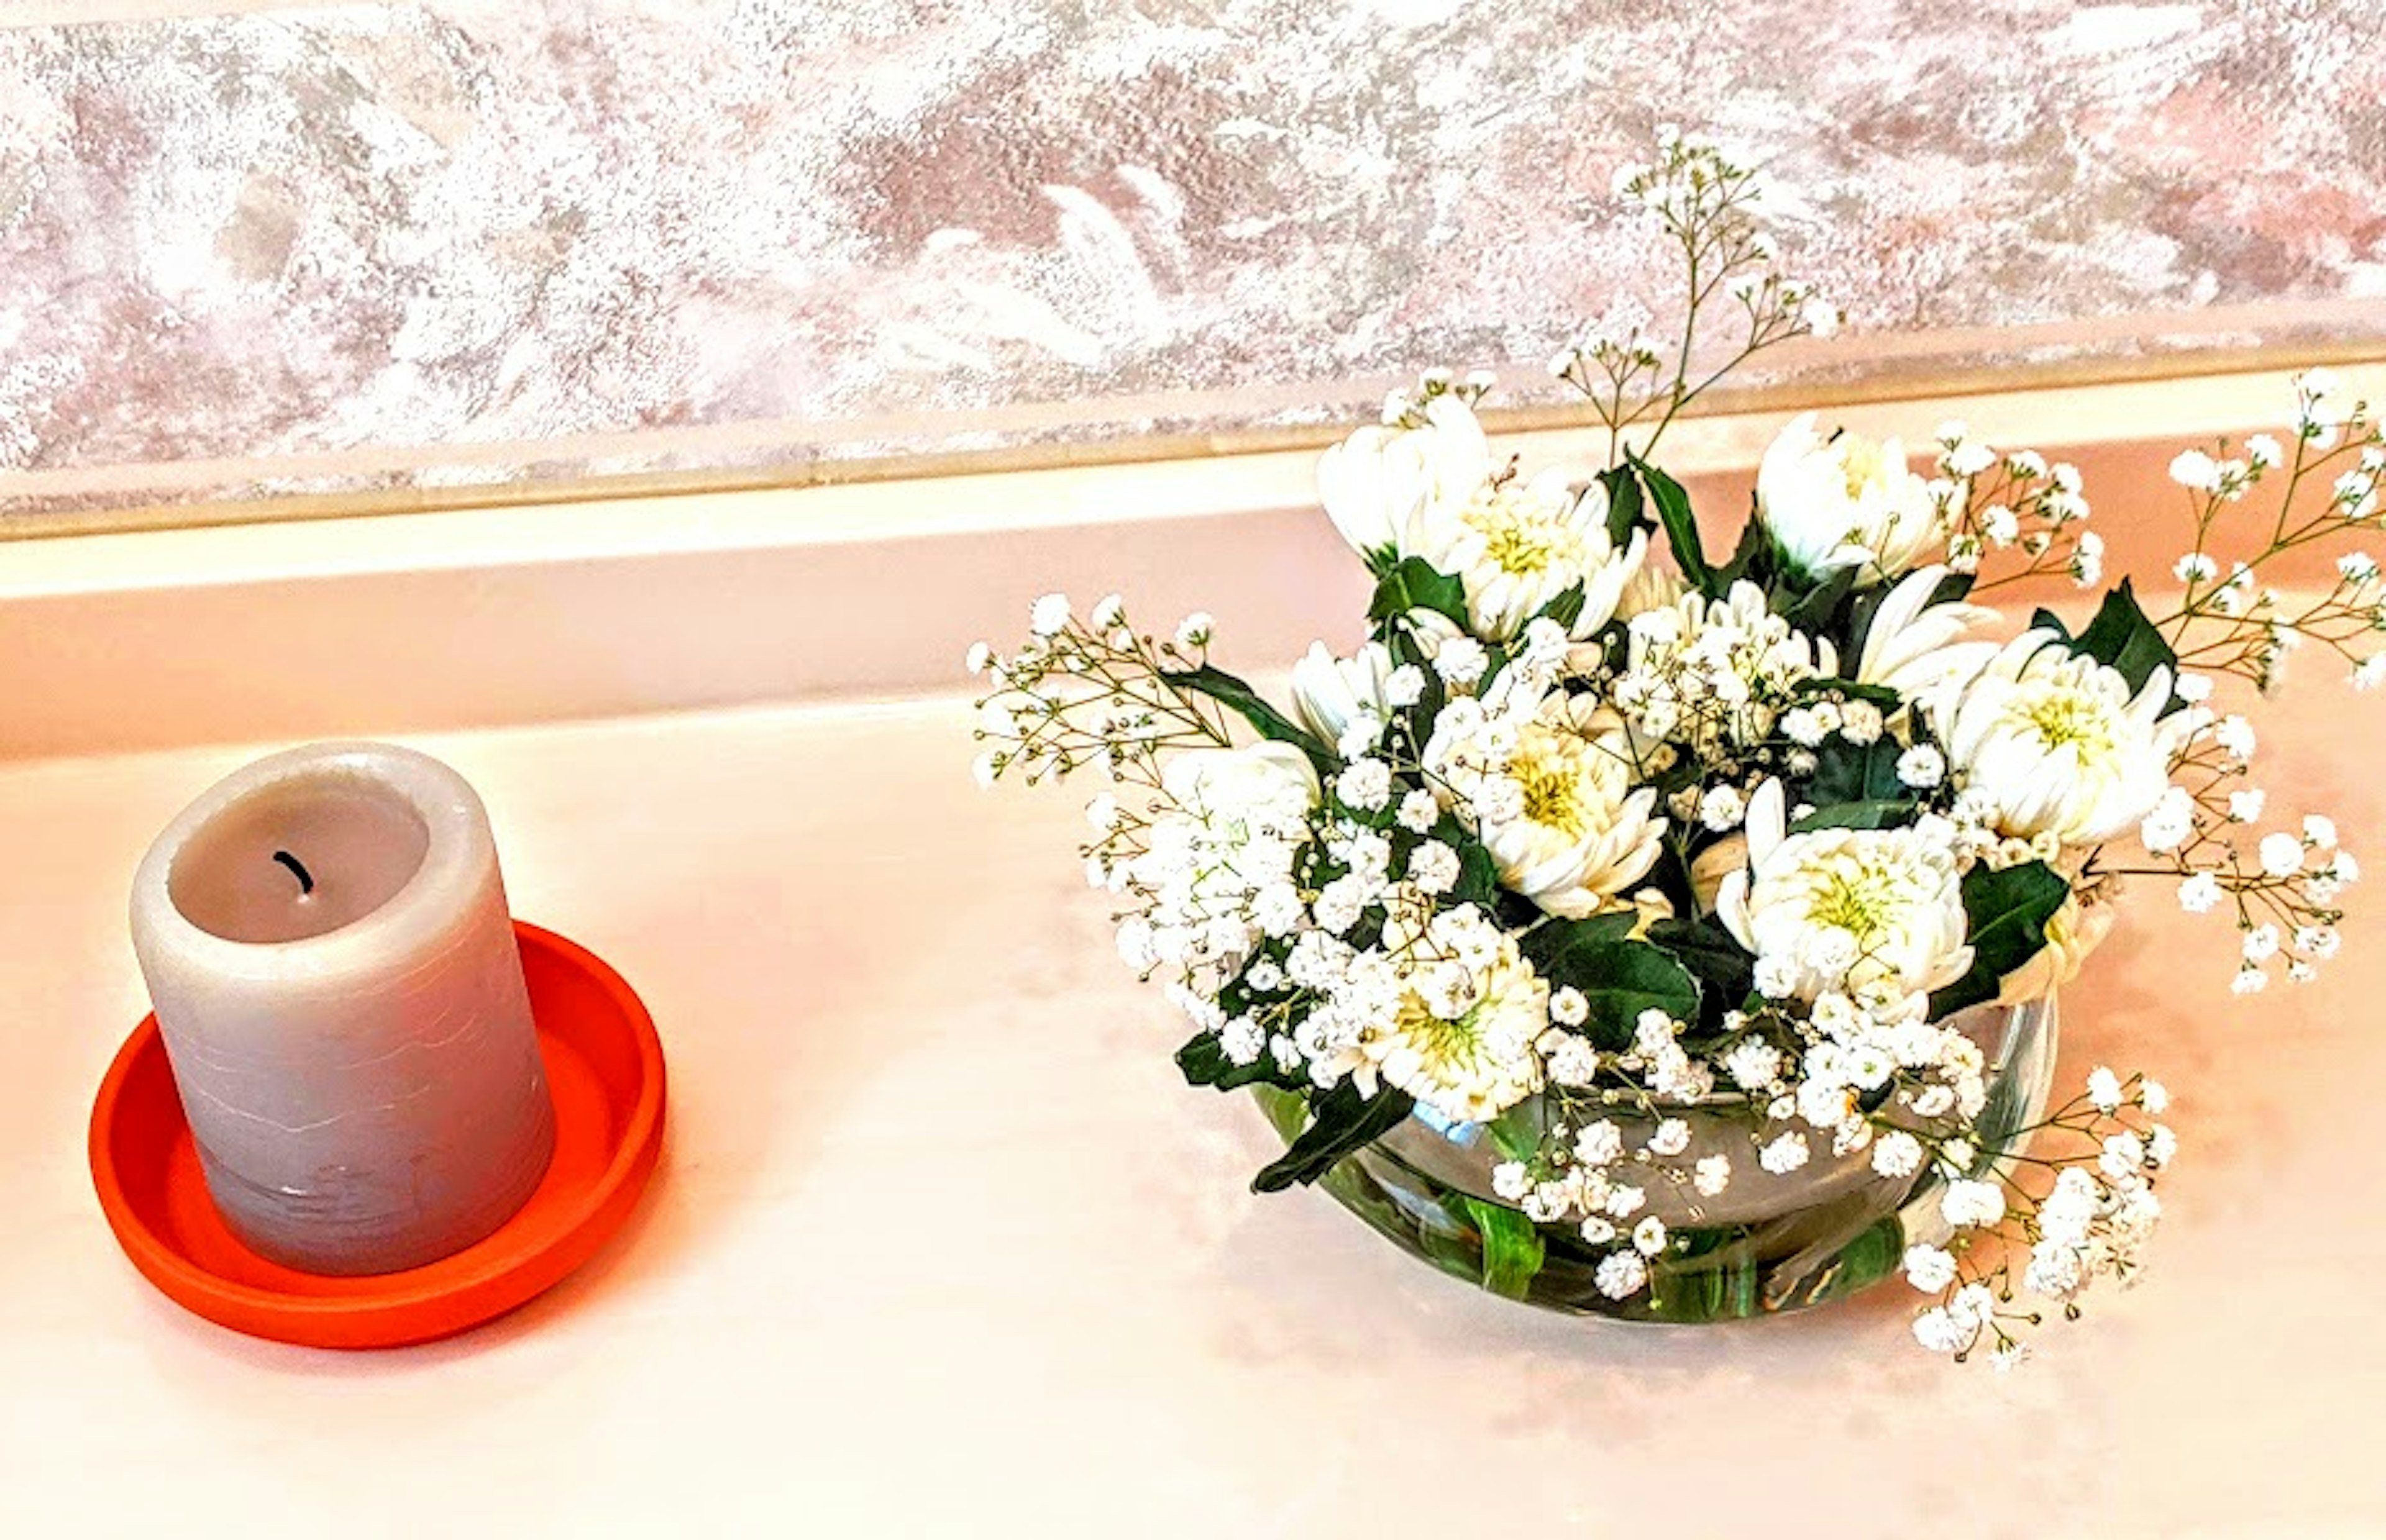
x,y
1767,1244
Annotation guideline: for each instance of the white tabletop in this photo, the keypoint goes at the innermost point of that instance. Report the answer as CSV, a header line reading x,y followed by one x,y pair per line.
x,y
940,1244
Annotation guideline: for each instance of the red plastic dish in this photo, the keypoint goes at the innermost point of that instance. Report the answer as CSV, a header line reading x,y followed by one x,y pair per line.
x,y
604,1070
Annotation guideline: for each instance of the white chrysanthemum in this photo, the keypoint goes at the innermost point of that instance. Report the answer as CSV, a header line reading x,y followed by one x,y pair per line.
x,y
1846,909
1552,798
1845,501
1249,803
1711,673
1517,545
1333,694
1474,1065
1380,484
1272,781
1914,646
1433,491
2054,743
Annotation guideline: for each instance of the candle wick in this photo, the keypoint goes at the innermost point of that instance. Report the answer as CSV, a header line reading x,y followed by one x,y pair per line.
x,y
306,882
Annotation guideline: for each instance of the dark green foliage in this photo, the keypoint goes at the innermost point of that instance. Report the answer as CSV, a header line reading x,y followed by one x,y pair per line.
x,y
1680,525
1619,978
1512,1249
1853,772
1340,1121
1707,950
2122,638
1417,585
2007,912
1625,504
1205,1063
1246,703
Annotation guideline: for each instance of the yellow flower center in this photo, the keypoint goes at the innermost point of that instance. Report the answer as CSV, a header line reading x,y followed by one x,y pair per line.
x,y
2067,717
1523,537
1551,769
1858,902
1860,463
1449,1048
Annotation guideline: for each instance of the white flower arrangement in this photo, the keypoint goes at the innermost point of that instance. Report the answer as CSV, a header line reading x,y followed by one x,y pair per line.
x,y
1597,819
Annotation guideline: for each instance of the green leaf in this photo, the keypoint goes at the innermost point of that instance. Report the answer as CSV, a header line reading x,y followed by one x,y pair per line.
x,y
1517,1132
1751,559
2005,914
1479,876
1416,584
1872,813
1711,954
1855,772
1681,527
1816,610
1512,1250
1620,980
1625,505
1246,703
1205,1063
1552,936
1340,1121
2122,638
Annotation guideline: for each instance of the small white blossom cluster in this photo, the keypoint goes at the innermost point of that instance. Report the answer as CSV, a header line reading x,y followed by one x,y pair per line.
x,y
1708,206
1689,885
1710,677
1086,694
1992,502
2246,628
2088,1222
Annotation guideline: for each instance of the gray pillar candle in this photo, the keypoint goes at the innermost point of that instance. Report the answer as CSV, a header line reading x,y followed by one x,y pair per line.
x,y
328,948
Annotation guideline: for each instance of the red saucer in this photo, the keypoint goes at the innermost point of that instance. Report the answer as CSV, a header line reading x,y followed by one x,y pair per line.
x,y
604,1070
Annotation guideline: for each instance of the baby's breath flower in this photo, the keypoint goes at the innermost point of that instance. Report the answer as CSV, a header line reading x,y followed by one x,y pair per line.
x,y
2196,471
1784,1155
1461,661
1621,1274
1940,1332
1897,1154
1929,1267
1049,615
1434,867
1921,767
1970,1204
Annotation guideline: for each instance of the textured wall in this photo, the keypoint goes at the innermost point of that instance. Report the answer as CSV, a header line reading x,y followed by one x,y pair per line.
x,y
334,246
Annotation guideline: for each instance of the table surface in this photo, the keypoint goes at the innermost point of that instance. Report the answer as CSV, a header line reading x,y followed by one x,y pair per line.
x,y
940,1244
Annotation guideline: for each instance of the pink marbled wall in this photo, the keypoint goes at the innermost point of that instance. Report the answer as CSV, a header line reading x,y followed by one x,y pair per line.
x,y
341,246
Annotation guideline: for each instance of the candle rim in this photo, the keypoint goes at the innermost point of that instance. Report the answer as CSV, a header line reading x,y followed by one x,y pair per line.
x,y
459,856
